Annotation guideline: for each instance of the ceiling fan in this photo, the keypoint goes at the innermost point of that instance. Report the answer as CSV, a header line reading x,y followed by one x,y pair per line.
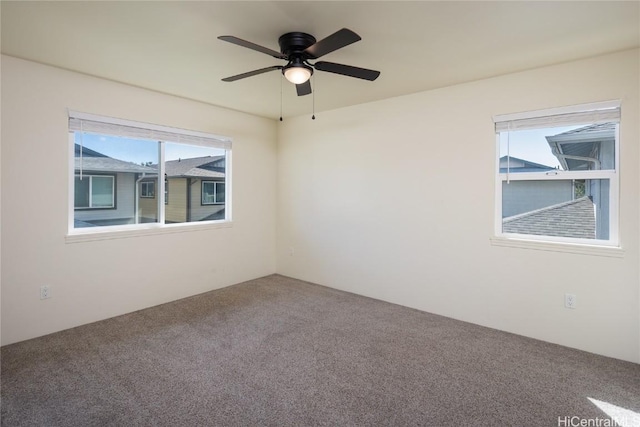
x,y
297,49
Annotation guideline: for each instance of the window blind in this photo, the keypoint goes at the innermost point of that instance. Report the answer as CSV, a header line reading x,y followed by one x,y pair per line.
x,y
125,128
568,116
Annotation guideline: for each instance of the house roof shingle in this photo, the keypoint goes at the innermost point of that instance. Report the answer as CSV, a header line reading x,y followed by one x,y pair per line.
x,y
599,127
108,164
575,218
95,161
197,167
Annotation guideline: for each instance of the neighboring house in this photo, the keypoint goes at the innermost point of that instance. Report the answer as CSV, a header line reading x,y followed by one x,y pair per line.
x,y
525,196
589,148
104,189
514,164
109,191
194,190
550,207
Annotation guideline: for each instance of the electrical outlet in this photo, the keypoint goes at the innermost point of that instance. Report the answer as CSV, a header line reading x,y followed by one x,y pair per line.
x,y
292,251
45,292
570,301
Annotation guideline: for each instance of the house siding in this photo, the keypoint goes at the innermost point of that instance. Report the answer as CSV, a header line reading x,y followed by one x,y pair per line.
x,y
125,201
525,196
148,208
175,209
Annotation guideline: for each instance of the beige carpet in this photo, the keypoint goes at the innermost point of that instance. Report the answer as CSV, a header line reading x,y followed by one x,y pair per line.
x,y
280,352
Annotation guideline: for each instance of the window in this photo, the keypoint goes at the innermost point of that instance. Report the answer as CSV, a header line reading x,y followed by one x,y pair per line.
x,y
115,168
557,174
166,192
94,192
212,192
148,189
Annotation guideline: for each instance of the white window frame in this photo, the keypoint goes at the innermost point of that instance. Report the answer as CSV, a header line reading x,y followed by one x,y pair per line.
x,y
600,112
215,192
146,184
90,177
85,122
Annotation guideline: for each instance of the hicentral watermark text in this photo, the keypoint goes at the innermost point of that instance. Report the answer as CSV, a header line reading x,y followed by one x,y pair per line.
x,y
575,421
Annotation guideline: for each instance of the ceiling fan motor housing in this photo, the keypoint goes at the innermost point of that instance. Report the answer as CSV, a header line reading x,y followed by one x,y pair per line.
x,y
295,42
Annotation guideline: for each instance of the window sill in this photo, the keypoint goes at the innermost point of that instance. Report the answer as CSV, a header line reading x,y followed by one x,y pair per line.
x,y
109,233
574,248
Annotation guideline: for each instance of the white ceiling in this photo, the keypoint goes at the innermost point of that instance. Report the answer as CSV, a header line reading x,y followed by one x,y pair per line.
x,y
172,47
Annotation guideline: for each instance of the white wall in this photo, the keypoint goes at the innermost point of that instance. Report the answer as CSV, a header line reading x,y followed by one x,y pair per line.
x,y
392,199
100,279
395,200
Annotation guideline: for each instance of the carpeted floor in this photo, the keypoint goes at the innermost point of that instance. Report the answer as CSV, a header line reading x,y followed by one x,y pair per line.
x,y
280,352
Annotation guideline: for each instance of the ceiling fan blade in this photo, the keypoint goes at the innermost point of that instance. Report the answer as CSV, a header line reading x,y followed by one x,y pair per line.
x,y
335,41
304,88
347,70
244,43
251,73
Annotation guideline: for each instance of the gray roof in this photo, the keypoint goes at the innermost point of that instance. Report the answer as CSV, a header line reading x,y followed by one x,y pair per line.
x,y
197,167
94,161
527,166
108,164
575,218
608,127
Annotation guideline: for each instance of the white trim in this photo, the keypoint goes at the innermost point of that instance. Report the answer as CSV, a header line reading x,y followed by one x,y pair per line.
x,y
580,108
568,247
71,168
614,193
555,117
228,188
497,226
152,229
160,179
559,239
93,123
558,175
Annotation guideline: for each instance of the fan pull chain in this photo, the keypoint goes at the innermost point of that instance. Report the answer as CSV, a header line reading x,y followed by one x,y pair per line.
x,y
313,107
281,96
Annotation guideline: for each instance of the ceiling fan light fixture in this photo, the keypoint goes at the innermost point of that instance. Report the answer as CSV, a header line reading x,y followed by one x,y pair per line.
x,y
297,74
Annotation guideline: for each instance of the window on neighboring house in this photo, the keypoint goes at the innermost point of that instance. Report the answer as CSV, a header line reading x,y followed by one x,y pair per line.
x,y
94,192
133,155
148,189
166,192
557,174
212,192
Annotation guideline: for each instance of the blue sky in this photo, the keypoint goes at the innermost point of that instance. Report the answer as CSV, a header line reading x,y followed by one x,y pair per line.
x,y
527,144
141,151
531,144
